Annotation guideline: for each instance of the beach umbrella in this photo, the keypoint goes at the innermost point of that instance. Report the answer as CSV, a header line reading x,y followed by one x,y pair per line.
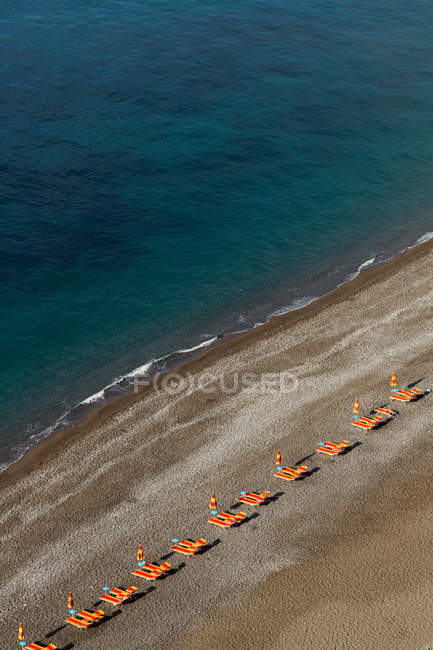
x,y
393,381
213,503
21,636
140,555
278,463
356,407
71,603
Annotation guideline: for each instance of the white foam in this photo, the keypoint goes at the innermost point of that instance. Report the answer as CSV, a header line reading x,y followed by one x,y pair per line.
x,y
197,347
95,397
361,267
142,370
366,264
426,237
299,303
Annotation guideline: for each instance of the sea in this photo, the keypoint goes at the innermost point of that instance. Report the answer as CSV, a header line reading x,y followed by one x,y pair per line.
x,y
176,170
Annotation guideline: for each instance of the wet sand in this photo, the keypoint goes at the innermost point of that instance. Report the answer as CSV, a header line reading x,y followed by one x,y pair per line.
x,y
341,559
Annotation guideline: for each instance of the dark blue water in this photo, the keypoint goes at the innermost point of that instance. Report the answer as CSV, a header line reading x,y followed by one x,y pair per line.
x,y
171,170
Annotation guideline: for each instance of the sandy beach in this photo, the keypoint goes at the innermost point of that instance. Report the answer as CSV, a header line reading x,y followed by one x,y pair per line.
x,y
340,559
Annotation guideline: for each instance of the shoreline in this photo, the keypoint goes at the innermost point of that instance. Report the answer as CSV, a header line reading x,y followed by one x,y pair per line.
x,y
81,411
231,342
169,362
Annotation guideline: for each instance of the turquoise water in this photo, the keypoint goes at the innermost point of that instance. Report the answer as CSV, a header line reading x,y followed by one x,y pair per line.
x,y
172,170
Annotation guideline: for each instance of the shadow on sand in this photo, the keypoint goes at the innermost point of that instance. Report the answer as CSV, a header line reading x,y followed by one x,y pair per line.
x,y
414,383
299,462
173,570
350,448
246,520
208,547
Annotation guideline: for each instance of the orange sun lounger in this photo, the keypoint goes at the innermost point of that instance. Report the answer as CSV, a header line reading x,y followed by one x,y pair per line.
x,y
333,448
85,618
38,646
152,571
387,412
338,445
117,596
226,519
188,547
254,498
291,473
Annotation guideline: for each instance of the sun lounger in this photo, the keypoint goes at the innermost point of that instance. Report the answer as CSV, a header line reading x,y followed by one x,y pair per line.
x,y
402,397
387,412
254,498
152,571
291,473
117,596
188,547
327,450
337,445
226,519
85,618
38,646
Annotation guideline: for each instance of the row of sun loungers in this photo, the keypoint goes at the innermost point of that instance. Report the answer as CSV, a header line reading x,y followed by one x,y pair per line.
x,y
148,571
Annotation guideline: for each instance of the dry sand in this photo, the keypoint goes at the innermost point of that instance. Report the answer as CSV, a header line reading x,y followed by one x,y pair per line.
x,y
341,559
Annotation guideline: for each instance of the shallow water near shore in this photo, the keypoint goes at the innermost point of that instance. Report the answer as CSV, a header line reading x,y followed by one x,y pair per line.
x,y
173,171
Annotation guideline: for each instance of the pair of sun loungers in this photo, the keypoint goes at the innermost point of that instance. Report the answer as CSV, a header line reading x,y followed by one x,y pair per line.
x,y
333,448
254,498
406,395
85,619
227,519
291,473
117,596
152,571
378,417
188,547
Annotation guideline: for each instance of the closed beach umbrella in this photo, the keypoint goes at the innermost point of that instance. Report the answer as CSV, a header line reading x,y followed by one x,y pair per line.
x,y
70,601
356,407
213,503
278,457
140,554
393,380
21,636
